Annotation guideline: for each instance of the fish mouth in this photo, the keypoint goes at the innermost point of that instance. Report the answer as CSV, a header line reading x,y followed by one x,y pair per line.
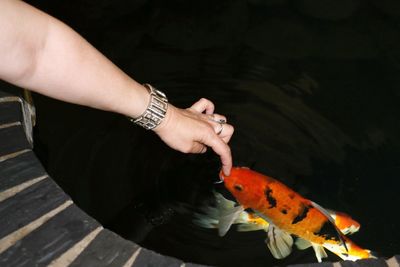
x,y
221,178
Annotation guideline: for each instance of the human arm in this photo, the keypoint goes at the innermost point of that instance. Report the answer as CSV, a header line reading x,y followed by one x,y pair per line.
x,y
42,54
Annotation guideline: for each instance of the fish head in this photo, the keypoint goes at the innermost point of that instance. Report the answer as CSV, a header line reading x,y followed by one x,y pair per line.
x,y
244,185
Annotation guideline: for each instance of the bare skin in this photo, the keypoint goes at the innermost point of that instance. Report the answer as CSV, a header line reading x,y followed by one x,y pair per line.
x,y
42,54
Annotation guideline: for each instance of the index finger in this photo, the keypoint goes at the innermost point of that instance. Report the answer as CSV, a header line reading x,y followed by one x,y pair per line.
x,y
224,151
204,105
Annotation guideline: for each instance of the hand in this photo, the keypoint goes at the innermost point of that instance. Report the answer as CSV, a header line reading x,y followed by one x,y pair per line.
x,y
194,129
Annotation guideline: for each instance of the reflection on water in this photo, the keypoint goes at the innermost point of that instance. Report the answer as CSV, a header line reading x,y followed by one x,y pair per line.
x,y
312,92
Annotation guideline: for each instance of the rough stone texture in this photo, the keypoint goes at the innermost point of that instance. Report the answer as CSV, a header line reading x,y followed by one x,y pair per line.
x,y
7,89
50,240
380,262
2,94
10,112
20,169
150,258
107,249
65,229
28,205
16,140
194,265
322,264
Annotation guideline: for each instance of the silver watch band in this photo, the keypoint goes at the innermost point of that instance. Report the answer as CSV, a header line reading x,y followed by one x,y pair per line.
x,y
155,111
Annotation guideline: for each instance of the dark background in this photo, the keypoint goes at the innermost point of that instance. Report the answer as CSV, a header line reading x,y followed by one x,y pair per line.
x,y
311,87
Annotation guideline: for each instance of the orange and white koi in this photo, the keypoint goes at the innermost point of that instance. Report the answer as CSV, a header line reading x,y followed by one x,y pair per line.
x,y
281,212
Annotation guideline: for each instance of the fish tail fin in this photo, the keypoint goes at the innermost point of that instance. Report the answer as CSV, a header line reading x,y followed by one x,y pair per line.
x,y
351,251
223,214
206,219
344,222
209,216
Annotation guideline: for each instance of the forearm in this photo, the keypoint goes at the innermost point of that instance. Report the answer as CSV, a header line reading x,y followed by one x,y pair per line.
x,y
50,58
40,53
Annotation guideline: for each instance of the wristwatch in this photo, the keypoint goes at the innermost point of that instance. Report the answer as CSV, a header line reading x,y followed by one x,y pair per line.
x,y
155,111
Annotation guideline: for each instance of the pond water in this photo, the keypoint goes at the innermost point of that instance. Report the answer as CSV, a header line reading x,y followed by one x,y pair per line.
x,y
312,90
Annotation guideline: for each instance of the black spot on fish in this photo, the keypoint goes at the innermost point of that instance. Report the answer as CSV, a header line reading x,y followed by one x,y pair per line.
x,y
238,187
291,195
284,211
328,231
303,214
345,254
268,196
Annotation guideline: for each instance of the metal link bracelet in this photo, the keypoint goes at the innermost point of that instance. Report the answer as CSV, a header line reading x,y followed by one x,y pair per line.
x,y
155,111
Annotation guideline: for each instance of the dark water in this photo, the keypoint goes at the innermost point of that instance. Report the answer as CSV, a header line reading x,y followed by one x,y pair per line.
x,y
310,86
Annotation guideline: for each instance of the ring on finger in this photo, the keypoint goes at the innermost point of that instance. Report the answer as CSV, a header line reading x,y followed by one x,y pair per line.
x,y
214,118
221,126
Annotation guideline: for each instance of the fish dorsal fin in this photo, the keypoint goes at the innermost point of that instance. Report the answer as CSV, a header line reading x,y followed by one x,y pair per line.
x,y
332,221
324,211
302,244
228,218
279,242
320,252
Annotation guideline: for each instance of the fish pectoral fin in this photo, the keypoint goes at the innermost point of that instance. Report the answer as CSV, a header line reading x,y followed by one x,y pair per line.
x,y
228,218
320,252
251,227
318,249
302,244
279,242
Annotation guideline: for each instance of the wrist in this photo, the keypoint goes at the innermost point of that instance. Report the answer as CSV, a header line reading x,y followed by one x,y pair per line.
x,y
166,122
156,109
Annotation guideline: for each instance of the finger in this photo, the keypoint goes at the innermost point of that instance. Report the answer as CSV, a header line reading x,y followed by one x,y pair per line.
x,y
198,148
217,118
223,130
203,105
218,127
227,133
223,150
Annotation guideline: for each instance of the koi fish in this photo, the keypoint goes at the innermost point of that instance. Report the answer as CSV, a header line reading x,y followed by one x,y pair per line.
x,y
267,204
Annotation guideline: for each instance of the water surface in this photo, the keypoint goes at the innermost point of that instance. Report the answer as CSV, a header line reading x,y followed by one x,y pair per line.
x,y
313,95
